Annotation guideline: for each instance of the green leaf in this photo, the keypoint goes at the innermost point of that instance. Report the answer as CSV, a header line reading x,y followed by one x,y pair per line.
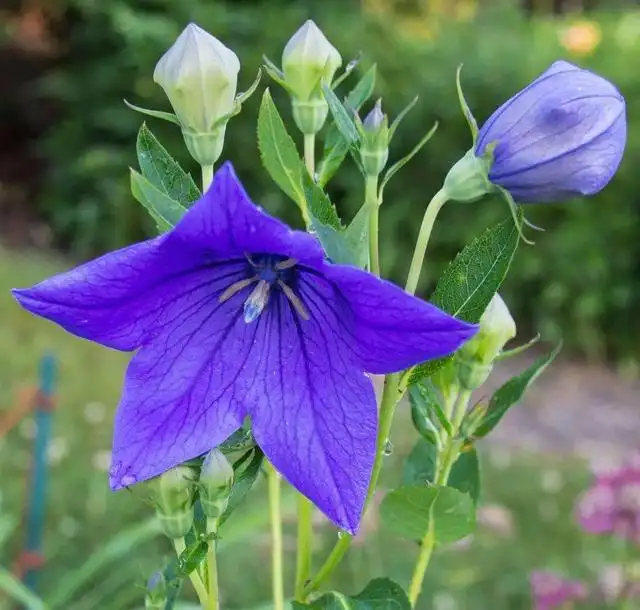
x,y
10,585
512,392
420,465
469,282
465,475
341,116
319,205
379,594
156,114
468,115
246,469
426,410
405,111
357,236
278,151
163,171
165,211
407,511
362,91
192,557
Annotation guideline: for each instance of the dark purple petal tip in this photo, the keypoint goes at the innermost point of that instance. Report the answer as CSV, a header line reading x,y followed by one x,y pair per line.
x,y
563,135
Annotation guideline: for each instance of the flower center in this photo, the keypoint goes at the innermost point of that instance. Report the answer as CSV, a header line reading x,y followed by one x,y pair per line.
x,y
270,273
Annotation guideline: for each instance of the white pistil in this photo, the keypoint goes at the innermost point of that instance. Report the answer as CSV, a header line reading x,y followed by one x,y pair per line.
x,y
295,300
235,288
256,302
286,264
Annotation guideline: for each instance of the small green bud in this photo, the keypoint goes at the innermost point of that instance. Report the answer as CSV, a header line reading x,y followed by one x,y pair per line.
x,y
156,597
468,179
216,479
476,357
200,76
374,147
308,60
174,494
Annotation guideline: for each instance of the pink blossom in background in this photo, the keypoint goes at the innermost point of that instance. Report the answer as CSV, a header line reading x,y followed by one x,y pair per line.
x,y
550,590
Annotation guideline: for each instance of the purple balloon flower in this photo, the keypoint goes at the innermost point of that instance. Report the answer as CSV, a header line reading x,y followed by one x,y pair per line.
x,y
561,136
233,314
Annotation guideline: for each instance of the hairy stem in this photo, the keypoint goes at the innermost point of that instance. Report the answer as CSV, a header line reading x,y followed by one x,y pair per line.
x,y
373,204
429,219
212,567
310,153
276,538
180,545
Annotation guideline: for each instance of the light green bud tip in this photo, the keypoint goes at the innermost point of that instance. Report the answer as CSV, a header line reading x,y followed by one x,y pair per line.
x,y
476,357
216,479
174,495
374,148
308,60
200,76
156,597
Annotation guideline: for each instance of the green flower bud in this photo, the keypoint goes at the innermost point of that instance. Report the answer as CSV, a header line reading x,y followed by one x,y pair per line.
x,y
308,60
374,147
156,597
476,357
200,76
468,179
173,495
216,479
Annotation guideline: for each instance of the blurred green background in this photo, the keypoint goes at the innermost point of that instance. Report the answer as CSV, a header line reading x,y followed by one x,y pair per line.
x,y
67,140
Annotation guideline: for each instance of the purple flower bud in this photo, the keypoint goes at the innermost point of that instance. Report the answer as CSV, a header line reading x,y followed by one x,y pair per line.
x,y
561,136
373,121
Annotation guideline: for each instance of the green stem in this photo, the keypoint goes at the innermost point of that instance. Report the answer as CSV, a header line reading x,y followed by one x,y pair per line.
x,y
429,219
455,408
276,538
387,409
372,202
180,545
212,567
207,177
305,545
310,153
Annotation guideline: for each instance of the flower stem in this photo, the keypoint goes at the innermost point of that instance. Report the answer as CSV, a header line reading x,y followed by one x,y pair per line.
x,y
305,548
207,177
372,202
456,407
212,567
310,153
387,409
429,219
276,538
180,545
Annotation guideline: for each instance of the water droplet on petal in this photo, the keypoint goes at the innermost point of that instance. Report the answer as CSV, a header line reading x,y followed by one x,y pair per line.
x,y
388,448
127,480
341,534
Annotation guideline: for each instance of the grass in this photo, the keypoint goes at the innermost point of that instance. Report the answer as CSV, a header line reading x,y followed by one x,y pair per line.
x,y
534,495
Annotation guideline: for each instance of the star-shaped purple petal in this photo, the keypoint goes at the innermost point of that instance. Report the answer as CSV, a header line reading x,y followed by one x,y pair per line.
x,y
233,314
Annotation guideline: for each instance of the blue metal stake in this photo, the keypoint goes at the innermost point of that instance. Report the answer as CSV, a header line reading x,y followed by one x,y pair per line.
x,y
38,483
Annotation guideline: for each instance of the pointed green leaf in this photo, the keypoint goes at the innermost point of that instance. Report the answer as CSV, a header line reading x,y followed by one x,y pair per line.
x,y
407,512
246,471
245,95
468,115
341,116
163,171
405,111
278,151
425,406
319,205
357,236
165,211
421,464
157,114
192,557
469,282
398,165
379,594
512,392
465,475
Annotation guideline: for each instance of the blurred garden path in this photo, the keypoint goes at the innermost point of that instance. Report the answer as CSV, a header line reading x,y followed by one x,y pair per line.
x,y
579,408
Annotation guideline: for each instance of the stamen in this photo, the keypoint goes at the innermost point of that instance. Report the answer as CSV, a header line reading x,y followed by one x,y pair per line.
x,y
295,300
286,264
235,288
256,302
